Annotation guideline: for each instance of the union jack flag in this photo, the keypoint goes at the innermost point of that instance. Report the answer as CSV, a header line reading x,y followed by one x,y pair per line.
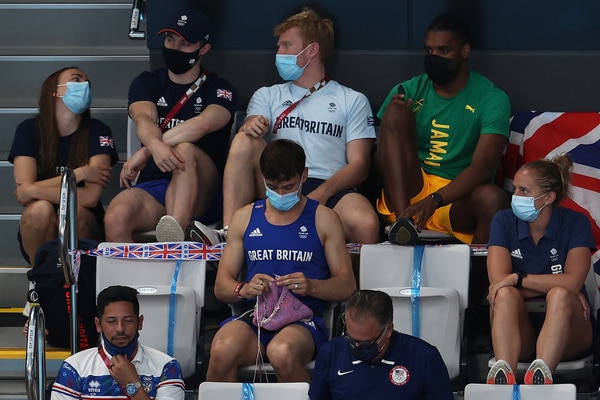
x,y
226,94
536,135
172,251
354,248
106,141
161,251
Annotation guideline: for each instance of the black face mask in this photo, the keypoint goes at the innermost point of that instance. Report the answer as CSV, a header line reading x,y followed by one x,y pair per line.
x,y
439,69
179,62
365,352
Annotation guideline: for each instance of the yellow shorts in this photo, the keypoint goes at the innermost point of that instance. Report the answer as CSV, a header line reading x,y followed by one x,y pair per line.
x,y
440,220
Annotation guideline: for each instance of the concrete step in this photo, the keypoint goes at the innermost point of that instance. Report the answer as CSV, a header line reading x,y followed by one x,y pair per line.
x,y
14,286
110,77
13,389
10,253
90,28
13,354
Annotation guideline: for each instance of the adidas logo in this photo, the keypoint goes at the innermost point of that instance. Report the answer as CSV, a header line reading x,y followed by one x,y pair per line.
x,y
255,233
162,102
287,103
516,254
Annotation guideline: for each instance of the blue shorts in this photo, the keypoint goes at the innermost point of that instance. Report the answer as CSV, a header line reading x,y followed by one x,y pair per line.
x,y
316,327
313,183
157,188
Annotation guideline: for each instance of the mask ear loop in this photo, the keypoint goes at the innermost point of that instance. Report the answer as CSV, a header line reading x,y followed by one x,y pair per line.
x,y
539,197
303,50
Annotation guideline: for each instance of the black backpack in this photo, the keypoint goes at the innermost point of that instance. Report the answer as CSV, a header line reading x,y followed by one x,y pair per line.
x,y
53,295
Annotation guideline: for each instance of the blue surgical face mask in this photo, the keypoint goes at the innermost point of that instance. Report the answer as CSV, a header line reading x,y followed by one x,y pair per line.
x,y
128,350
78,97
524,207
287,66
284,202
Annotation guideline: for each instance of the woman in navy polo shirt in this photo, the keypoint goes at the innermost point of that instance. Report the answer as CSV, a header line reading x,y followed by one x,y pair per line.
x,y
61,135
539,251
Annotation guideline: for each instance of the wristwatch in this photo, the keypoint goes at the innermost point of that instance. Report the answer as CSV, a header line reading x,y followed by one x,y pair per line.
x,y
437,198
132,388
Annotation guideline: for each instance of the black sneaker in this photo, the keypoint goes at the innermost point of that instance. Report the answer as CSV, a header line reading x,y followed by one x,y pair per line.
x,y
403,232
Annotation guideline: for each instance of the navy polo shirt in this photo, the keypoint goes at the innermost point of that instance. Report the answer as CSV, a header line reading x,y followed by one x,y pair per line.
x,y
566,230
410,369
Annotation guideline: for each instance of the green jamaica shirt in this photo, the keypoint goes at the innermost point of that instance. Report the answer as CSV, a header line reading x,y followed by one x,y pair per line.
x,y
448,129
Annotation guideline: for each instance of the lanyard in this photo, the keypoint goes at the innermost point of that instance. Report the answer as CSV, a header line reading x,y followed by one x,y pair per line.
x,y
108,364
186,96
319,85
104,357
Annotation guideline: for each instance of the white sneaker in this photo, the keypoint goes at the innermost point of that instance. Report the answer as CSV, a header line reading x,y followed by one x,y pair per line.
x,y
198,232
222,233
169,230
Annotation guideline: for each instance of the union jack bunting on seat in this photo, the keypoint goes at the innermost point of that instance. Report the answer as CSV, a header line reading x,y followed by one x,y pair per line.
x,y
536,135
165,251
171,251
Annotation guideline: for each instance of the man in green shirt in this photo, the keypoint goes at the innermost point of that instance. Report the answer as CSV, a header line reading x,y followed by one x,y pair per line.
x,y
441,137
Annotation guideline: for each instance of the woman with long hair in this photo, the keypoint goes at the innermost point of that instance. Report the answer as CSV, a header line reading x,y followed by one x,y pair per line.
x,y
62,135
539,252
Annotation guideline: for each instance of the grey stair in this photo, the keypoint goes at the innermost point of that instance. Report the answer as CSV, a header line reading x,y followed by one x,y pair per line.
x,y
46,35
13,389
63,28
14,286
10,253
109,75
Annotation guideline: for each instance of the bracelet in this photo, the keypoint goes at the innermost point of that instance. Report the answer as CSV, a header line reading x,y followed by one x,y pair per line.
x,y
520,276
238,288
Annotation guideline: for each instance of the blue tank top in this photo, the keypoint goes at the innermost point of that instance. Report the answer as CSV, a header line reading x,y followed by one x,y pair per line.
x,y
279,250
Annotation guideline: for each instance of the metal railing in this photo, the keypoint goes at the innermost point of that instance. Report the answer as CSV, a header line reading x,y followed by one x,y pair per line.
x,y
67,240
35,362
138,10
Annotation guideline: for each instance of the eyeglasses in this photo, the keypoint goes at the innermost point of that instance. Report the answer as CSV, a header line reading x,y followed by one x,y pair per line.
x,y
354,343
